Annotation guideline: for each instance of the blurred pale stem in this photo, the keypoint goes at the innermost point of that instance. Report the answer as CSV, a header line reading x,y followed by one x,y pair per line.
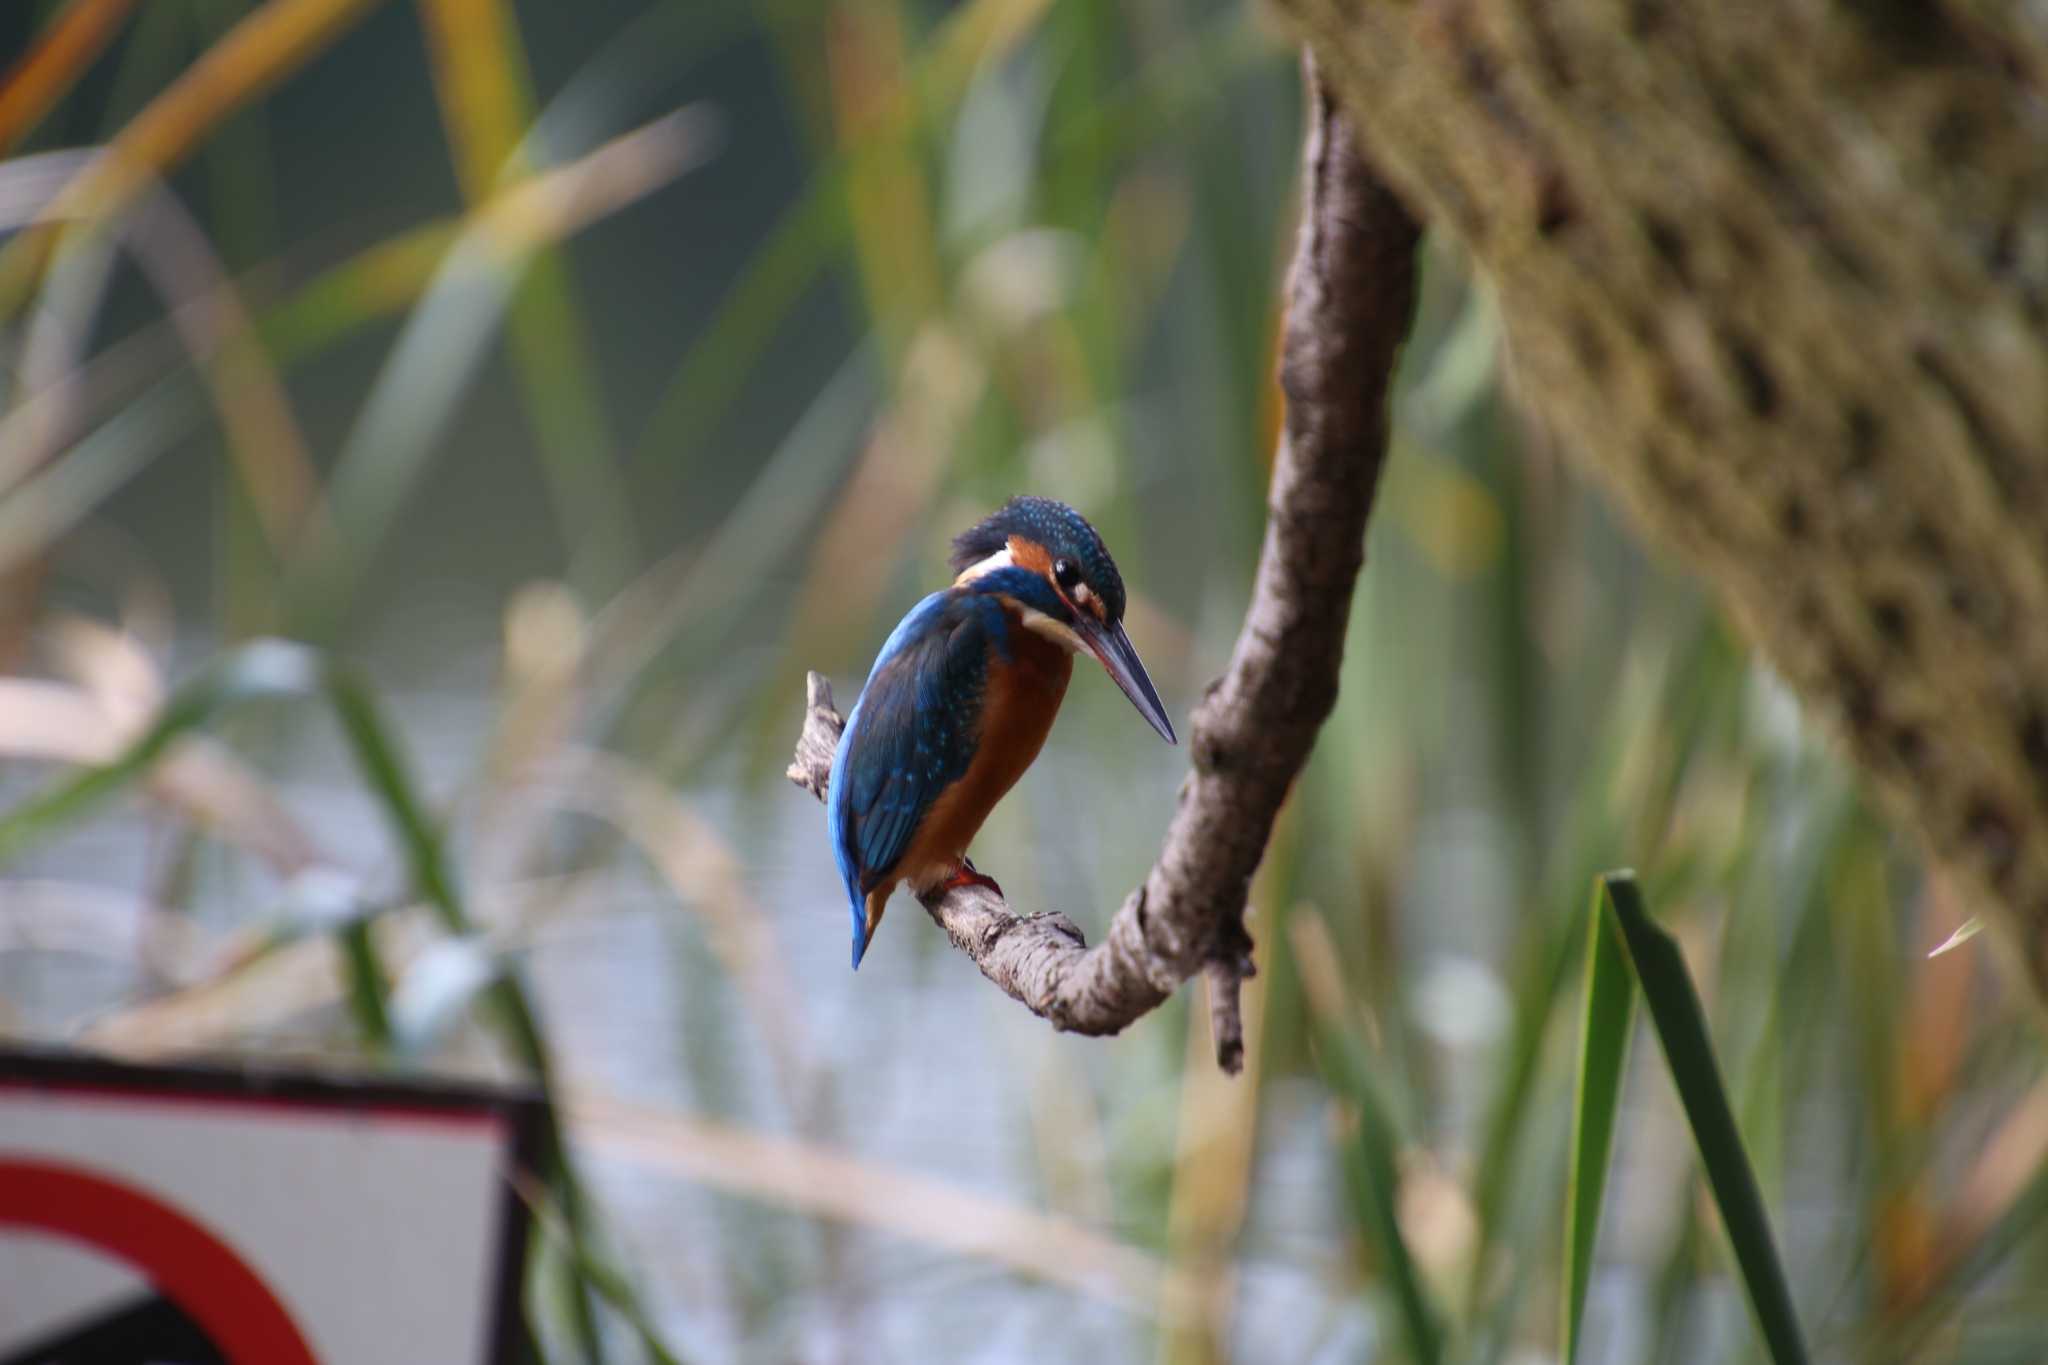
x,y
826,1183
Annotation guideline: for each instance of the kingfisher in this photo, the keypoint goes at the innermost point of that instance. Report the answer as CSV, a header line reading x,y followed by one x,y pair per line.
x,y
962,696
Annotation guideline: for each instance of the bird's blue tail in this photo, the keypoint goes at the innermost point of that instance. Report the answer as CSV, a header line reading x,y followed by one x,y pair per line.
x,y
860,930
864,922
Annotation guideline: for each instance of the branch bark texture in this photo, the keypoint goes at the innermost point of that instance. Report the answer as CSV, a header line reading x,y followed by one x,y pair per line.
x,y
1777,274
1350,296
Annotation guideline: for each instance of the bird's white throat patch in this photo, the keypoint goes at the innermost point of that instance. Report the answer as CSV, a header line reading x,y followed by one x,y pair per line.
x,y
1059,632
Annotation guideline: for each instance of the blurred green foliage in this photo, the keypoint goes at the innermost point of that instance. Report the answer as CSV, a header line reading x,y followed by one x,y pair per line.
x,y
582,375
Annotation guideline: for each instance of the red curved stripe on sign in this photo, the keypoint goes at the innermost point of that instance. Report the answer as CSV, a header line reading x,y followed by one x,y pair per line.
x,y
186,1263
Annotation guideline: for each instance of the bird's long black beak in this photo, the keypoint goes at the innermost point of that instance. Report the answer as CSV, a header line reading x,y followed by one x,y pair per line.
x,y
1112,648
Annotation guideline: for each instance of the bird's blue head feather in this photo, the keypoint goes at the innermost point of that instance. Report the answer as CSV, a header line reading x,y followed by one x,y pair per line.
x,y
1063,534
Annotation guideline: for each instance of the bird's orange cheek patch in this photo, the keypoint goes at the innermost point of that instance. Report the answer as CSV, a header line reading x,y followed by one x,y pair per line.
x,y
1029,554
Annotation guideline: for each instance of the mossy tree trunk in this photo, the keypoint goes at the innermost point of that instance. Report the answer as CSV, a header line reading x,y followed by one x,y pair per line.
x,y
1776,273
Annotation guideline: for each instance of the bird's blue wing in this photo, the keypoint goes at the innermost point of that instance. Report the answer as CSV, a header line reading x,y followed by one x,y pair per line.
x,y
919,716
911,736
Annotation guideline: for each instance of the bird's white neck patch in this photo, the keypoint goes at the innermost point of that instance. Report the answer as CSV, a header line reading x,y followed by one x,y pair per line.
x,y
1035,621
1038,623
999,560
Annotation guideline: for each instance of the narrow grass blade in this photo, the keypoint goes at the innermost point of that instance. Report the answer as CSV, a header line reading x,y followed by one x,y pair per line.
x,y
368,287
1603,1049
1370,1165
606,1280
1370,1171
1540,984
600,1275
1681,1025
369,989
385,769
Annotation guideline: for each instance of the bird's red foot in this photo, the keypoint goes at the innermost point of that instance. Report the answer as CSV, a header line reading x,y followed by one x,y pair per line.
x,y
965,875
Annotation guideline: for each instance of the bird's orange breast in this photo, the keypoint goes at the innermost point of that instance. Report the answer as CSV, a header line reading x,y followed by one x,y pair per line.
x,y
1022,699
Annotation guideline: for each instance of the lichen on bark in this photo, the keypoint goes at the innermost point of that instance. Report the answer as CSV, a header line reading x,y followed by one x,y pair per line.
x,y
1776,274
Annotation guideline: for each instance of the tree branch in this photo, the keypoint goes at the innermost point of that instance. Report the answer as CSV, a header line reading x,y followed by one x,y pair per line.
x,y
1350,294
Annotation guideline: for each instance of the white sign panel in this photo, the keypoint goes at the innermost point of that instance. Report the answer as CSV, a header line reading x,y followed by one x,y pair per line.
x,y
187,1215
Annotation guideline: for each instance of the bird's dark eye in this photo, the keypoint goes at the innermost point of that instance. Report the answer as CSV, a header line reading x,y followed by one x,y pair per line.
x,y
1066,573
